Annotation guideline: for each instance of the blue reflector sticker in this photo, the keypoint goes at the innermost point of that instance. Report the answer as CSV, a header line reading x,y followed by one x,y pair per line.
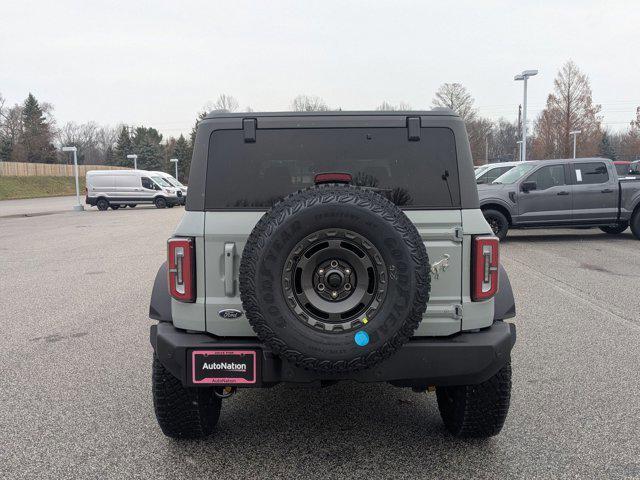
x,y
361,338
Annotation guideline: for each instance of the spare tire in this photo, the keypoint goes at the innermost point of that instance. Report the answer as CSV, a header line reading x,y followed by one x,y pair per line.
x,y
334,278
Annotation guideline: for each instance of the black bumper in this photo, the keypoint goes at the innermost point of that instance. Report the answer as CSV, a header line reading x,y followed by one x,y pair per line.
x,y
461,359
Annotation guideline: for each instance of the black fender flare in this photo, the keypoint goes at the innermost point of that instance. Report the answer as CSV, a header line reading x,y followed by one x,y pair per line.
x,y
160,305
504,304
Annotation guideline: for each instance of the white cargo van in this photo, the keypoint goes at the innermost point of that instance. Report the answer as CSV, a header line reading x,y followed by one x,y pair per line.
x,y
174,183
121,188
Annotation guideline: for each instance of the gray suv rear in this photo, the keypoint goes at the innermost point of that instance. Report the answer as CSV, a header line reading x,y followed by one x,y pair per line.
x,y
324,247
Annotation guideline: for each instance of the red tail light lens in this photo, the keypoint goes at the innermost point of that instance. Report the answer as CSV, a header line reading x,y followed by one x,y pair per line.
x,y
332,178
486,260
181,263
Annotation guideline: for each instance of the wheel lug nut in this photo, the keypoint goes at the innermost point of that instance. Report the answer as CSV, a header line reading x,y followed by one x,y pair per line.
x,y
347,271
334,294
321,271
347,286
334,264
321,286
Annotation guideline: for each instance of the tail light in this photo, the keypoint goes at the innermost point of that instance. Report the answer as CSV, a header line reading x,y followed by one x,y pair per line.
x,y
485,268
332,178
182,274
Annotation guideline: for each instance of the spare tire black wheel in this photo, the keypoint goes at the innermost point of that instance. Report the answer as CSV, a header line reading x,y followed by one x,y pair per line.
x,y
334,278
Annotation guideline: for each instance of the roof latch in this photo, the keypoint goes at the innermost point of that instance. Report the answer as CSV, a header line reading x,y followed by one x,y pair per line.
x,y
249,127
413,128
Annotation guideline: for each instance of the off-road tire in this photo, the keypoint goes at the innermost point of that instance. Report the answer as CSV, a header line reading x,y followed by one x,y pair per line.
x,y
476,411
183,412
635,223
615,230
160,202
322,208
498,222
102,204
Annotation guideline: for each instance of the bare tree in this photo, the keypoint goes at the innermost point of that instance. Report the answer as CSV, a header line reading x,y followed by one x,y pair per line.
x,y
479,130
307,103
456,97
503,143
569,107
224,103
11,127
389,107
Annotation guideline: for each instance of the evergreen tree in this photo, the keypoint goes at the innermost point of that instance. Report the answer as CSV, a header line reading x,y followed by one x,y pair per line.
x,y
149,155
123,148
36,138
192,138
146,144
5,149
182,152
606,150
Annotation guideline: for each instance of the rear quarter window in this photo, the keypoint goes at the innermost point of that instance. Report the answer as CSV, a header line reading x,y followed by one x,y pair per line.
x,y
590,173
253,176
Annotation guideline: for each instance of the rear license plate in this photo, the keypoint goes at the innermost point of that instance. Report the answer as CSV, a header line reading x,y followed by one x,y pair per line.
x,y
228,367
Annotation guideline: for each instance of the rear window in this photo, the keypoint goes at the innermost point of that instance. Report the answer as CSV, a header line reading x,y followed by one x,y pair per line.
x,y
253,176
589,173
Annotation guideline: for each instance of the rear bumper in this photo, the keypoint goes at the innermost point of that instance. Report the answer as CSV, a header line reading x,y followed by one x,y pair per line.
x,y
461,359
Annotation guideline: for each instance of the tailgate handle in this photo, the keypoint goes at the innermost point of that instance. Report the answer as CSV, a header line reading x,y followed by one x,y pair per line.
x,y
229,269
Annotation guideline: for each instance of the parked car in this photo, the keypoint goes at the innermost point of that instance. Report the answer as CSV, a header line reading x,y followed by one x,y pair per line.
x,y
583,192
171,180
489,172
622,167
283,270
634,168
122,188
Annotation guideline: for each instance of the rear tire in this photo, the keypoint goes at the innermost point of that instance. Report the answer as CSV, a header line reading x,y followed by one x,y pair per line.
x,y
183,412
160,202
615,230
635,223
133,206
498,222
115,207
102,204
476,411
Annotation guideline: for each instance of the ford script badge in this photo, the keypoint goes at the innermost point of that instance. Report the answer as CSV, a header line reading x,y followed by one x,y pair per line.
x,y
230,313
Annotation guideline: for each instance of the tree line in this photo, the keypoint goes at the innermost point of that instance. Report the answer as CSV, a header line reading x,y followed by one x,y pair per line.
x,y
29,133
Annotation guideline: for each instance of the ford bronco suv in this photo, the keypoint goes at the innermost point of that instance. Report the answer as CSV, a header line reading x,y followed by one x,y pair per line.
x,y
319,247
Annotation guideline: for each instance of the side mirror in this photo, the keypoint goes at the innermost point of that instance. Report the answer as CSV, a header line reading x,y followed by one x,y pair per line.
x,y
528,186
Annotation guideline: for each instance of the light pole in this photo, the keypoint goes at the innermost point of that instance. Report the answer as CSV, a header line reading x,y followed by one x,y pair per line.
x,y
575,134
135,160
525,76
519,142
175,160
78,207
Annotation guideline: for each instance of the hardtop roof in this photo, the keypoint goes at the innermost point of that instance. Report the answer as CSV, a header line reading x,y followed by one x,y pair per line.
x,y
439,112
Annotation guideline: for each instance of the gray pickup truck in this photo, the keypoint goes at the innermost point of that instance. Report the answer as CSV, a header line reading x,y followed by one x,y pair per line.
x,y
582,192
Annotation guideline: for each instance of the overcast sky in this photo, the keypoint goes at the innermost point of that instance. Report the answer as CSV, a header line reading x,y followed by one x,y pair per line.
x,y
157,63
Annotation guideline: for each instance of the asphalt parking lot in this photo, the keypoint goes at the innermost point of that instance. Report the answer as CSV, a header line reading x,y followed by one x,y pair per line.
x,y
75,359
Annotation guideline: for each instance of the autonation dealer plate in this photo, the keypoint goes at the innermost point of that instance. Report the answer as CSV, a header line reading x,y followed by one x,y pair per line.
x,y
228,367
